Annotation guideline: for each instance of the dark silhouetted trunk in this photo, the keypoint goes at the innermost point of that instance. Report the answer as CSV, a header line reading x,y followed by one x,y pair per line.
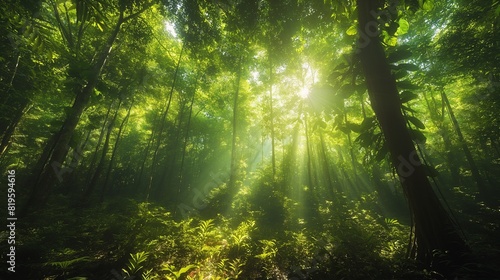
x,y
468,155
234,163
163,121
58,149
273,154
115,148
438,121
186,138
433,227
11,127
97,174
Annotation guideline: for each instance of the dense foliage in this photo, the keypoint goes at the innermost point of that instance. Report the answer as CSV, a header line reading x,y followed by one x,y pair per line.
x,y
250,139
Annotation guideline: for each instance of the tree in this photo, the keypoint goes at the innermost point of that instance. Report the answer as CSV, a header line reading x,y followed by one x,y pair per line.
x,y
434,229
57,147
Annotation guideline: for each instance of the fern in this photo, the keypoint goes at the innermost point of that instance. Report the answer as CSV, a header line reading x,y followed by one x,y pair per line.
x,y
68,263
135,263
205,227
178,273
235,268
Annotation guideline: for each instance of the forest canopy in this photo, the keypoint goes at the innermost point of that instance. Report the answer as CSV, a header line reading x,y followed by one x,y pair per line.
x,y
250,139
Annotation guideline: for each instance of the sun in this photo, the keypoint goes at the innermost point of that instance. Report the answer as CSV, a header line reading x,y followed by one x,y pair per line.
x,y
308,77
304,92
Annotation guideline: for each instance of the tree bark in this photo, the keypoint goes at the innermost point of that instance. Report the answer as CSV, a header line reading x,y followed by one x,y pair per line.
x,y
186,138
468,155
163,119
97,174
434,229
59,142
273,154
234,164
437,119
9,130
115,148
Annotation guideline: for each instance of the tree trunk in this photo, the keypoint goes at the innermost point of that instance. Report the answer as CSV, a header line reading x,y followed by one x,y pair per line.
x,y
434,229
163,119
468,155
97,174
273,155
11,127
448,147
115,147
99,141
310,181
186,138
146,153
234,164
42,186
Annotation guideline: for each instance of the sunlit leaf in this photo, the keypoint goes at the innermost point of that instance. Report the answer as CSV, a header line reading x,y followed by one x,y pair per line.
x,y
353,30
428,5
392,41
403,26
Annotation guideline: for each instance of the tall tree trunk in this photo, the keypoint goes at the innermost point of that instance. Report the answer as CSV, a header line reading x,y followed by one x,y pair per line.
x,y
146,152
310,181
163,120
234,163
43,184
168,178
97,174
186,138
271,113
11,127
95,154
115,148
331,183
468,155
437,120
434,229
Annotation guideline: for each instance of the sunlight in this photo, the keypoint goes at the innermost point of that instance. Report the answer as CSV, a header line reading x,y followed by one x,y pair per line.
x,y
308,78
170,28
304,93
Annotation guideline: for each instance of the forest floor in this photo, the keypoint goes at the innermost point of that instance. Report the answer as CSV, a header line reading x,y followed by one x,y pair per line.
x,y
125,239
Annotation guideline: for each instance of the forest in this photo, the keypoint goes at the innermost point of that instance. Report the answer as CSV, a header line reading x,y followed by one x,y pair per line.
x,y
250,139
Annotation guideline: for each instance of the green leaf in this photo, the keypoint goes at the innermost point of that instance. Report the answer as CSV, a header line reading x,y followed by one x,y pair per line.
x,y
407,109
354,127
418,136
392,41
416,122
399,74
367,123
428,5
186,269
403,26
347,90
353,30
408,66
406,96
406,85
399,55
382,153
